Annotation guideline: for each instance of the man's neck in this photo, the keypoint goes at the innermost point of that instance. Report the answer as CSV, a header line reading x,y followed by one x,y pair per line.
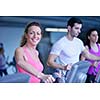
x,y
69,37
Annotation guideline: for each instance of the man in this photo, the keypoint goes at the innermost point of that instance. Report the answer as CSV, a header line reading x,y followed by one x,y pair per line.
x,y
68,50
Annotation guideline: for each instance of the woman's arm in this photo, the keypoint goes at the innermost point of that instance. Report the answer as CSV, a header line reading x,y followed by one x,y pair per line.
x,y
95,64
20,60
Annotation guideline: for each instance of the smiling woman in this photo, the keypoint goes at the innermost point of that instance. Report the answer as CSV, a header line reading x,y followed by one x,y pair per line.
x,y
27,56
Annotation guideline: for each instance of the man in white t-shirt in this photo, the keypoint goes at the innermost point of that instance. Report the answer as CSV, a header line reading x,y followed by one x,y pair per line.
x,y
68,50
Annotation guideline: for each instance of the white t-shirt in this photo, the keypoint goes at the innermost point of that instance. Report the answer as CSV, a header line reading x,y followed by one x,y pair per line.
x,y
68,51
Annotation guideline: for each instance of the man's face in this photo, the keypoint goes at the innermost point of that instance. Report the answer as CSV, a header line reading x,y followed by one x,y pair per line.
x,y
75,30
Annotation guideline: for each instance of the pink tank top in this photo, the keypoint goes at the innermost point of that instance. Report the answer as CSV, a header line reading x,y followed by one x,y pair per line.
x,y
93,70
37,65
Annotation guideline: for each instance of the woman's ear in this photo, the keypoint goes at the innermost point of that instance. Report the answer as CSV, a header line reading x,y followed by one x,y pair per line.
x,y
89,37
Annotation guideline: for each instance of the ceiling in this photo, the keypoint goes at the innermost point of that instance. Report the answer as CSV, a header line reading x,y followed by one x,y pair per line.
x,y
48,21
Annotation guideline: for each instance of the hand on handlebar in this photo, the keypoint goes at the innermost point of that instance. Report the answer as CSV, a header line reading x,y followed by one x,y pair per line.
x,y
68,67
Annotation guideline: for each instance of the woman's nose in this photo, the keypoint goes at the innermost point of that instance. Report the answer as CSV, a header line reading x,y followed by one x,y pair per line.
x,y
35,35
79,31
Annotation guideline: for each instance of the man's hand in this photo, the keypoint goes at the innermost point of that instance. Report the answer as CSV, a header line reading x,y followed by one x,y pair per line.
x,y
68,67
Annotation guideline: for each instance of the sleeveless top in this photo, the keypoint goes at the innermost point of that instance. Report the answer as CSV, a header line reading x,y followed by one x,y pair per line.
x,y
36,65
93,70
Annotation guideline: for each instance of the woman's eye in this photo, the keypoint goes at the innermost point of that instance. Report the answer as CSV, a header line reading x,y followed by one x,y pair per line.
x,y
31,33
38,33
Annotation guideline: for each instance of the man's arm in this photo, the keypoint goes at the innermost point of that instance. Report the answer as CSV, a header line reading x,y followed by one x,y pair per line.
x,y
52,63
90,56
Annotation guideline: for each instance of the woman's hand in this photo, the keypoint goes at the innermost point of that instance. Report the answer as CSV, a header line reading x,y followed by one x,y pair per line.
x,y
46,78
95,64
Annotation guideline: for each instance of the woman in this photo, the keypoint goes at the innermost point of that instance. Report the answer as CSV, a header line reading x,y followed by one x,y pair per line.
x,y
94,48
3,62
27,56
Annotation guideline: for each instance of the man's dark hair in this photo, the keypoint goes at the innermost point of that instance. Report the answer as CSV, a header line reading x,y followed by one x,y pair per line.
x,y
74,20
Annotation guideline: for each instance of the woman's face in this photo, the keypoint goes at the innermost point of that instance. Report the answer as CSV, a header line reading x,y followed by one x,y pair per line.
x,y
93,37
34,35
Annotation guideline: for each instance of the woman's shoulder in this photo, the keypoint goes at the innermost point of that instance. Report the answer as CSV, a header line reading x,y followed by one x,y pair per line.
x,y
87,47
19,49
99,44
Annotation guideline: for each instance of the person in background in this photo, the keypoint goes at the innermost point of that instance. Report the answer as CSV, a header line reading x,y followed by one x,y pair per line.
x,y
3,62
93,47
68,50
26,56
